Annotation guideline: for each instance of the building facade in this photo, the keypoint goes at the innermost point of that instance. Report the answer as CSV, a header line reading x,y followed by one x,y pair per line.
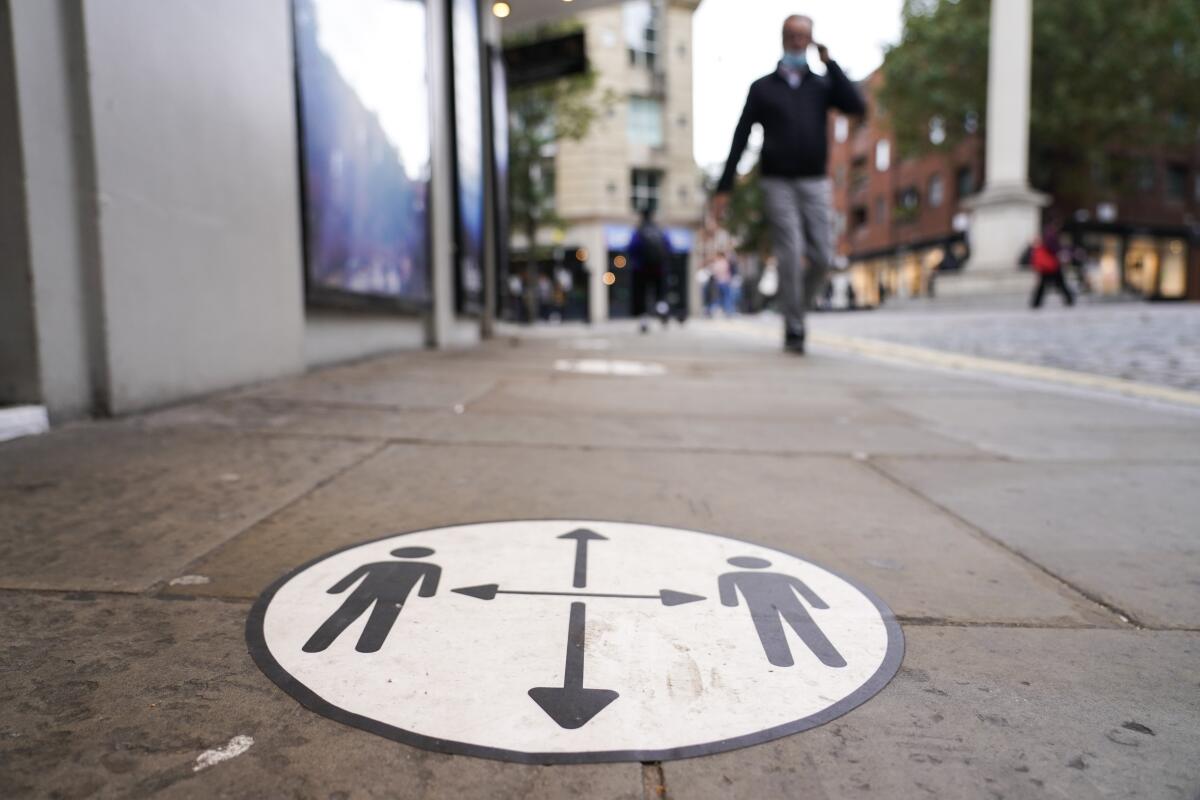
x,y
637,154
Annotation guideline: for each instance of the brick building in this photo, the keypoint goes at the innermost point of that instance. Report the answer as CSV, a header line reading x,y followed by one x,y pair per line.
x,y
899,220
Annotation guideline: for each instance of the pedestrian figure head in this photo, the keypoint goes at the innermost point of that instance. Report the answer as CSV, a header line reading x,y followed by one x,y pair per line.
x,y
797,33
412,552
749,562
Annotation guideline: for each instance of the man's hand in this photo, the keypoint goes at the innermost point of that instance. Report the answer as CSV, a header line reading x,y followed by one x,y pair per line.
x,y
720,204
823,52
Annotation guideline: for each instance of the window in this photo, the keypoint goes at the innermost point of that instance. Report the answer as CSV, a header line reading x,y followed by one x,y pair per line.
x,y
908,204
883,155
880,211
964,181
1177,175
645,121
858,173
858,218
841,129
640,21
937,191
1145,175
644,188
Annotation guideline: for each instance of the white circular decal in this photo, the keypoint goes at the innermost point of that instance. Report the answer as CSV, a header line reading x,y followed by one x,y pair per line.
x,y
571,641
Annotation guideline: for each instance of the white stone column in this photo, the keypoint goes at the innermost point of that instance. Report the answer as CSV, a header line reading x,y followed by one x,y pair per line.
x,y
1006,213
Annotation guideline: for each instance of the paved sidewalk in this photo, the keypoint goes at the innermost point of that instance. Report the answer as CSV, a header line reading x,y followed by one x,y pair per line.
x,y
1039,548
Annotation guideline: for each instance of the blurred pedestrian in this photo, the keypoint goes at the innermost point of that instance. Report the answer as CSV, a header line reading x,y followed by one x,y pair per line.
x,y
649,255
1045,259
722,276
792,105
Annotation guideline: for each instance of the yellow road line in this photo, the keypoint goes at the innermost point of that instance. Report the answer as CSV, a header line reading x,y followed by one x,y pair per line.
x,y
1013,369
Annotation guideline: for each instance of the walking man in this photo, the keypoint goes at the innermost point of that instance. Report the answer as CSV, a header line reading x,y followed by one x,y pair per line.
x,y
792,105
383,587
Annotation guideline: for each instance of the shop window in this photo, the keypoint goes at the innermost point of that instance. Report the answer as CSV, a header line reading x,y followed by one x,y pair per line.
x,y
1177,175
645,121
645,184
937,191
641,26
1173,279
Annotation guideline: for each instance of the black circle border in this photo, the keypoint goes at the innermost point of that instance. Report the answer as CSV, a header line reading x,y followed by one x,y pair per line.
x,y
261,654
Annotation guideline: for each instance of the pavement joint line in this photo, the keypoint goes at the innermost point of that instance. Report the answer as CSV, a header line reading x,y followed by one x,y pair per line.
x,y
158,587
667,449
654,782
1125,617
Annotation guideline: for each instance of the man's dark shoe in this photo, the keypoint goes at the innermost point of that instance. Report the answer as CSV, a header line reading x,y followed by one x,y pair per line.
x,y
794,342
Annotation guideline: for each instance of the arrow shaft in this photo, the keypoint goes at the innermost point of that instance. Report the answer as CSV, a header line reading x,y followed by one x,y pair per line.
x,y
583,594
580,563
576,637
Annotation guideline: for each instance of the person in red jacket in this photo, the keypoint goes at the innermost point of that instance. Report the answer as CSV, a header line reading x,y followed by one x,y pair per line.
x,y
1046,263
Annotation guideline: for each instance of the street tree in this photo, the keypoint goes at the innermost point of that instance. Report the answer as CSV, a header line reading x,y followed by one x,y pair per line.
x,y
1110,81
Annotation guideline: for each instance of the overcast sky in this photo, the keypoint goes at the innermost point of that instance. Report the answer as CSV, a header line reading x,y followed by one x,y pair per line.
x,y
737,41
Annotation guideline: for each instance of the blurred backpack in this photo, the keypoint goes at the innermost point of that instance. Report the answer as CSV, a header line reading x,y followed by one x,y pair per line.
x,y
1045,262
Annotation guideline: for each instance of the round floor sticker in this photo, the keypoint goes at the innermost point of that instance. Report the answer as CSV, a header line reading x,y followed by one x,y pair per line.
x,y
572,641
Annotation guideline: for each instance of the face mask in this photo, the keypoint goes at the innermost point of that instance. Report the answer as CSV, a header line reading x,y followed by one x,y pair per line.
x,y
795,59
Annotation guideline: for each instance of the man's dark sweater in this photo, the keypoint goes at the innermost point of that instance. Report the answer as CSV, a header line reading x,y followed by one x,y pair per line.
x,y
794,123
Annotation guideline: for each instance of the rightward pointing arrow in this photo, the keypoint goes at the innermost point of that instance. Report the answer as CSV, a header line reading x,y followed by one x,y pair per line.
x,y
571,705
667,597
582,536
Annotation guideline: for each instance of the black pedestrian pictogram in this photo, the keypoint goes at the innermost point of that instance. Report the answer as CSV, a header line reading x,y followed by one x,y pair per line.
x,y
384,584
771,599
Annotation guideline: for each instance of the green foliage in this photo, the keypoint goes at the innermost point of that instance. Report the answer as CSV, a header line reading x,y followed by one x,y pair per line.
x,y
746,220
1108,76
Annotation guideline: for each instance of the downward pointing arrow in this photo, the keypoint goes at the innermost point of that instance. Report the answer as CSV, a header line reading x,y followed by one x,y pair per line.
x,y
571,705
582,536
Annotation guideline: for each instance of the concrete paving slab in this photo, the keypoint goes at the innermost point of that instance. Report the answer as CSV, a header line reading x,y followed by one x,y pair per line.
x,y
836,512
857,429
992,712
108,507
385,383
1124,532
1023,424
115,696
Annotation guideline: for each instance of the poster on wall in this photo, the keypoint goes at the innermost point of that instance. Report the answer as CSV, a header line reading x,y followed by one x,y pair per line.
x,y
499,92
468,136
362,77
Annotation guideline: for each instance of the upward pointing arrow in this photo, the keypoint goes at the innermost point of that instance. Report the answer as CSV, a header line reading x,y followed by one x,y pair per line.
x,y
571,705
582,536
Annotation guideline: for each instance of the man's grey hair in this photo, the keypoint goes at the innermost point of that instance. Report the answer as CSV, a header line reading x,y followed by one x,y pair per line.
x,y
800,18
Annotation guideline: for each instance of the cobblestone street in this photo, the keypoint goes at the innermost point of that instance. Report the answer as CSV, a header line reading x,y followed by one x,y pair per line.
x,y
1150,343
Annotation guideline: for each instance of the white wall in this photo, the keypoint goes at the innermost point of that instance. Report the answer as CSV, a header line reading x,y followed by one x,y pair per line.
x,y
194,129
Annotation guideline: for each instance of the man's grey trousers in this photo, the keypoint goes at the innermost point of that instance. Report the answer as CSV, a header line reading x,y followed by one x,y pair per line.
x,y
800,212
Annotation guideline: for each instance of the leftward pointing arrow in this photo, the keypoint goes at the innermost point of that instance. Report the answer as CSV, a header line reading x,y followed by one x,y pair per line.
x,y
571,705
